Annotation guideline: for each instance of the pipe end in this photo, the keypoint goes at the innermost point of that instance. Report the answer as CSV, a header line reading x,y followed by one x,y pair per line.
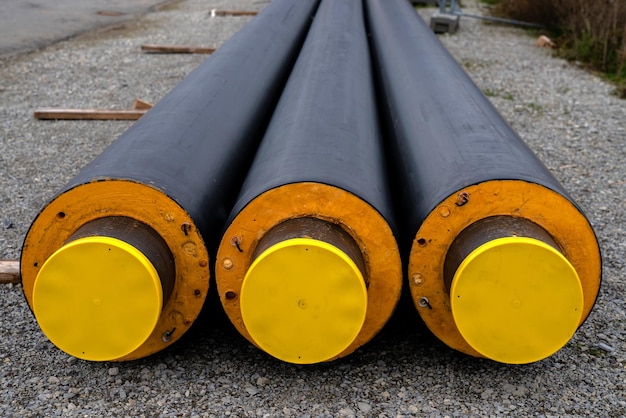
x,y
303,301
516,300
97,298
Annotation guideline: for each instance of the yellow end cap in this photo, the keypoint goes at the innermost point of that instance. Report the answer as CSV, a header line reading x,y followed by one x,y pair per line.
x,y
516,300
303,301
97,298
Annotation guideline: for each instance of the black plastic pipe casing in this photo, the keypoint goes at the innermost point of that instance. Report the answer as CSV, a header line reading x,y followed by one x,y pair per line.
x,y
321,157
444,133
325,127
196,143
456,163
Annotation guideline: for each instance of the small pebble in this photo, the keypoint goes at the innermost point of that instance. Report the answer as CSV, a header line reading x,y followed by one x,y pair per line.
x,y
605,347
364,407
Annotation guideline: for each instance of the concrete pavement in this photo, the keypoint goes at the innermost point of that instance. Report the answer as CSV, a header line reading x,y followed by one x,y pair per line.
x,y
32,24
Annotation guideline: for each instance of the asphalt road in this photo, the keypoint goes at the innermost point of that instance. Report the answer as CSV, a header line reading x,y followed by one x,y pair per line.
x,y
32,24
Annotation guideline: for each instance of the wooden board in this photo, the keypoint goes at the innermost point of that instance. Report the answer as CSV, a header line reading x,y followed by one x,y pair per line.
x,y
176,49
9,271
215,12
88,114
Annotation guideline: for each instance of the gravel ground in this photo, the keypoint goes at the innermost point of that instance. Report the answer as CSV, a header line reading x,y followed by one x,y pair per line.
x,y
568,117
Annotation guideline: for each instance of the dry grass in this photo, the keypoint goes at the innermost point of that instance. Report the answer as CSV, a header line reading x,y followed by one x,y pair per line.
x,y
590,31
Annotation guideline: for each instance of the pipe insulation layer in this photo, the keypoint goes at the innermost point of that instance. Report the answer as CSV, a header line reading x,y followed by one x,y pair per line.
x,y
116,266
309,269
501,262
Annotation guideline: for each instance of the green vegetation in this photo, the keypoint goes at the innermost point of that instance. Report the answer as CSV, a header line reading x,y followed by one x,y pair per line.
x,y
590,32
490,93
497,93
535,108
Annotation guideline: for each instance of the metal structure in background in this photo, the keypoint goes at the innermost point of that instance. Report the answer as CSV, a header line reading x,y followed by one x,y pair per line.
x,y
309,269
116,265
501,262
446,20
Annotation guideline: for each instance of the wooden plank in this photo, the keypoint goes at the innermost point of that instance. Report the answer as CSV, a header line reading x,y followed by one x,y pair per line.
x,y
88,114
176,49
215,12
9,271
110,13
142,105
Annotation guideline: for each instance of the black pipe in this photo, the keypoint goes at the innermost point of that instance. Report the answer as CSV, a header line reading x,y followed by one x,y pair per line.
x,y
457,162
177,170
318,176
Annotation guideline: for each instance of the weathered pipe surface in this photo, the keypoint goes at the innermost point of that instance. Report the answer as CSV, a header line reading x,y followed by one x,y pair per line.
x,y
456,162
177,171
319,171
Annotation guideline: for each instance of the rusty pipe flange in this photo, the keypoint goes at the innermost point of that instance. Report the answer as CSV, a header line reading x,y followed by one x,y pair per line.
x,y
79,206
304,297
555,214
368,229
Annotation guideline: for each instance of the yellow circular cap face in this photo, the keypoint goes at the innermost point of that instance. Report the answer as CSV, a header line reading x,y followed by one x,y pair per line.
x,y
516,300
97,298
303,301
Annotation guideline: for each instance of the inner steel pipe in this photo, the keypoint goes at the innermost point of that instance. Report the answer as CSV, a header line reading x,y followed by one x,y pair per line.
x,y
309,269
116,266
502,263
